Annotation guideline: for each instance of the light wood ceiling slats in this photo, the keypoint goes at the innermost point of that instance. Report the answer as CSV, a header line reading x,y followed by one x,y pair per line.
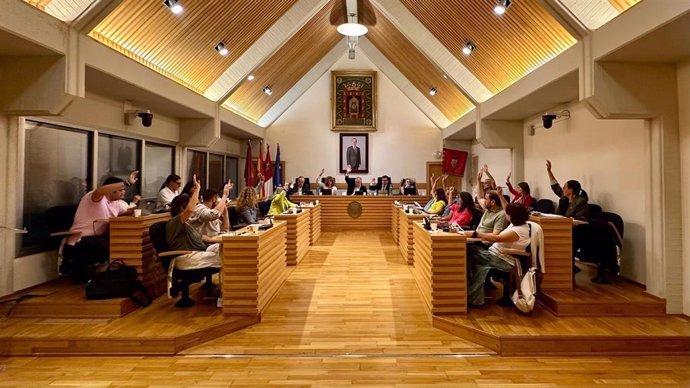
x,y
508,46
182,46
622,5
287,65
418,69
65,10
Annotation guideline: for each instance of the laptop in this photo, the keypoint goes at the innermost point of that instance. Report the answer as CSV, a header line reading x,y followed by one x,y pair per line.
x,y
410,191
326,191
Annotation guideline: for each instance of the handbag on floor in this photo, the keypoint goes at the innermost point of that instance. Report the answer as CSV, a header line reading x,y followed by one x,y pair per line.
x,y
525,296
117,281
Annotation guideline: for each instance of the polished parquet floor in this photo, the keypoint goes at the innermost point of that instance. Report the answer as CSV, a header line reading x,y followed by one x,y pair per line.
x,y
348,315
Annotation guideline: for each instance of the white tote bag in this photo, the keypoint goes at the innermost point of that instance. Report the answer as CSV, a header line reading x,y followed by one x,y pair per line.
x,y
525,296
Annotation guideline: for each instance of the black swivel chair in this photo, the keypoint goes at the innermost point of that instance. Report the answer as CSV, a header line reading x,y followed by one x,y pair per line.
x,y
181,280
544,206
593,210
60,220
611,231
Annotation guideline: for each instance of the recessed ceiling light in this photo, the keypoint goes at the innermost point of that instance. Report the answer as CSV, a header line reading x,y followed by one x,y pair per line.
x,y
250,77
469,47
220,47
433,91
501,6
352,28
268,90
174,5
445,76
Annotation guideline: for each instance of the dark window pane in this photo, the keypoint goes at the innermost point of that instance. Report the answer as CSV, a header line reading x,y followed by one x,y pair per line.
x,y
231,173
215,172
159,163
196,165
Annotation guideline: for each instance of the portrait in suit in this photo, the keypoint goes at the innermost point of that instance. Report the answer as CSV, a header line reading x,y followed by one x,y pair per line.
x,y
353,152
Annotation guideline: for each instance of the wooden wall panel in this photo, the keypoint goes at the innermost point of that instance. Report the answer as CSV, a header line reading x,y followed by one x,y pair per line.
x,y
181,47
418,69
508,46
286,66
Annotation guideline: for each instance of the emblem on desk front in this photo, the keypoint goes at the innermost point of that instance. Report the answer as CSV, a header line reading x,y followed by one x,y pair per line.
x,y
354,209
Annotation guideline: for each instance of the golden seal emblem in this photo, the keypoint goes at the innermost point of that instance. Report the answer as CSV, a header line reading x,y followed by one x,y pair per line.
x,y
354,209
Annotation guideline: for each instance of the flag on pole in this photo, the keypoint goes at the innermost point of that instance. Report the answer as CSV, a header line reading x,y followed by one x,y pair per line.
x,y
248,168
268,174
260,168
278,174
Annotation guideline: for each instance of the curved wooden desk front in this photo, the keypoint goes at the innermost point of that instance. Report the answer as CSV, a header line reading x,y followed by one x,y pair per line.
x,y
298,232
376,211
406,233
440,270
253,269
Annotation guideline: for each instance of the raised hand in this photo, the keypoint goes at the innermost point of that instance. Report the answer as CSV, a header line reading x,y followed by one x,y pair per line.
x,y
322,171
197,184
349,169
548,165
444,177
133,177
499,190
508,178
227,188
485,168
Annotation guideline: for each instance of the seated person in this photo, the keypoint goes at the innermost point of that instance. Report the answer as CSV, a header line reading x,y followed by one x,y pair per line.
x,y
354,185
92,243
522,194
280,203
212,215
298,188
408,187
181,236
247,206
327,187
385,186
169,190
439,203
462,212
494,219
573,200
481,260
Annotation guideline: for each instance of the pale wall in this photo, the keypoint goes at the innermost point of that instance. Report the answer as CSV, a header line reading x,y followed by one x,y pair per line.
x,y
608,158
684,130
404,142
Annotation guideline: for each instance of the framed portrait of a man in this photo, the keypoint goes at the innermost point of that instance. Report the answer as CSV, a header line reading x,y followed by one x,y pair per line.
x,y
354,152
353,100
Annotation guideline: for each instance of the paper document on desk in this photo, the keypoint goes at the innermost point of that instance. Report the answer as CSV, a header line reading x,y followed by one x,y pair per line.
x,y
418,205
548,215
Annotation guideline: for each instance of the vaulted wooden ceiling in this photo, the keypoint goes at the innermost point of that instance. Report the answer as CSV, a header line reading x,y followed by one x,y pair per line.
x,y
283,42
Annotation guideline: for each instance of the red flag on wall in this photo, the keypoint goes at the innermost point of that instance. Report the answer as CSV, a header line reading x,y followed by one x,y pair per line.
x,y
260,167
249,178
454,161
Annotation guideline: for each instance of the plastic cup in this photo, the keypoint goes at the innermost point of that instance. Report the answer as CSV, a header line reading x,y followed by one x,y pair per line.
x,y
137,212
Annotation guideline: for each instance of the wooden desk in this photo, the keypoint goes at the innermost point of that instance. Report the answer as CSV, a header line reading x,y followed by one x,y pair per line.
x,y
375,210
315,222
558,252
406,238
253,269
298,231
129,242
394,222
440,270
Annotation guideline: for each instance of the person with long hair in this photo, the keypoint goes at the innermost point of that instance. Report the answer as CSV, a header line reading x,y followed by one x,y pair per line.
x,y
463,212
327,184
169,190
522,194
481,260
440,201
247,206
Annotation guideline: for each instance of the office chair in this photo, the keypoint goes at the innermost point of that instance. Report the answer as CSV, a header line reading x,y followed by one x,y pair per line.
x,y
598,243
181,279
59,220
594,210
544,206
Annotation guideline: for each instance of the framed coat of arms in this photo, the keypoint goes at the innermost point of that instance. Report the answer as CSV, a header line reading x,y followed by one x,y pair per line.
x,y
353,101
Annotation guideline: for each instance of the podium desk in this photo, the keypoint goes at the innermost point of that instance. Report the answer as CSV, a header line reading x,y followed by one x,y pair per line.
x,y
440,270
129,242
395,222
406,238
357,212
253,269
298,232
558,252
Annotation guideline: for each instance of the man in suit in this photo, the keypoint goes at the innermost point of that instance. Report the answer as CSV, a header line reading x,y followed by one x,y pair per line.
x,y
354,185
354,158
299,188
384,187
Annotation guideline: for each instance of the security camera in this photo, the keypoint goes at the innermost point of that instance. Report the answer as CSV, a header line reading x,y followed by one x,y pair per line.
x,y
146,118
548,120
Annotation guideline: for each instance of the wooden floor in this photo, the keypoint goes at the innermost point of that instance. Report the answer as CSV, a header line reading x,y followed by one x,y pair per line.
x,y
408,372
620,298
352,293
160,329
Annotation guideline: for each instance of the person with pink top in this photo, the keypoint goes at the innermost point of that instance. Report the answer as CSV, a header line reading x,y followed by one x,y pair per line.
x,y
90,242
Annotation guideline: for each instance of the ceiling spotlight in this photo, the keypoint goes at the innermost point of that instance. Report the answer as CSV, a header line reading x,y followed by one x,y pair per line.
x,y
501,6
469,47
352,28
433,91
220,47
250,77
268,90
174,5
